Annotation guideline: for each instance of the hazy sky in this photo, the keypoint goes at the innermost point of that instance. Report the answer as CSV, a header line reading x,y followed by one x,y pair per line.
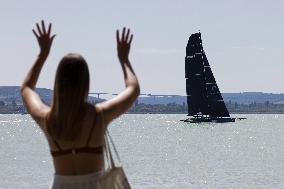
x,y
243,41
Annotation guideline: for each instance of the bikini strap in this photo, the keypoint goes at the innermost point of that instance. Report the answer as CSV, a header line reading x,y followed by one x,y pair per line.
x,y
91,132
56,143
53,140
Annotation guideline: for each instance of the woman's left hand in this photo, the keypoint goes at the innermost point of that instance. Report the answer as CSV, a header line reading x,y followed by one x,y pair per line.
x,y
44,38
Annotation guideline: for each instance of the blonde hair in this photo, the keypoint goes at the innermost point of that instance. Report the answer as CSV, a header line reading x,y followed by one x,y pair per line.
x,y
70,96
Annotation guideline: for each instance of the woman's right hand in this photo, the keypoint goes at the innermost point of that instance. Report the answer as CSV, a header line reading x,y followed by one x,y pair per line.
x,y
123,45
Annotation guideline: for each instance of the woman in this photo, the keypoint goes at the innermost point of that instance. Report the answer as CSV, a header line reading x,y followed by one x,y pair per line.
x,y
74,128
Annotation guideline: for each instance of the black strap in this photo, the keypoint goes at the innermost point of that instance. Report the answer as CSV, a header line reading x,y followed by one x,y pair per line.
x,y
89,150
54,141
91,132
85,149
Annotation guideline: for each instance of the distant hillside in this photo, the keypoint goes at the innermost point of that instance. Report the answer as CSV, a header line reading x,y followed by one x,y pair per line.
x,y
241,98
249,97
8,94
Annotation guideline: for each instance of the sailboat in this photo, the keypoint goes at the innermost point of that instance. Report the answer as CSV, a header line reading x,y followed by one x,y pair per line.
x,y
204,100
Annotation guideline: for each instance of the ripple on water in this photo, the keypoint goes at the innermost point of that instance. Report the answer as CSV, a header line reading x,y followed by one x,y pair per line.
x,y
159,151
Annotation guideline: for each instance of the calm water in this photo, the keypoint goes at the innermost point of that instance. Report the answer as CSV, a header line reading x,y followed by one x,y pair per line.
x,y
159,151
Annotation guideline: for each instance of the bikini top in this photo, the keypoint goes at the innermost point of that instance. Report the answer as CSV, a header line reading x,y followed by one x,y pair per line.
x,y
84,149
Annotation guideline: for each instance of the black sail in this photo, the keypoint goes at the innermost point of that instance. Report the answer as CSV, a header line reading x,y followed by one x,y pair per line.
x,y
217,107
195,78
203,95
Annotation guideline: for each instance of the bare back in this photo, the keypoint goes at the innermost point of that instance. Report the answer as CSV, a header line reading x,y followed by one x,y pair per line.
x,y
81,163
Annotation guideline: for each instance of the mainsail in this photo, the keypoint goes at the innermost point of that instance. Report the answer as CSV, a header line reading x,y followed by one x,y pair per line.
x,y
203,95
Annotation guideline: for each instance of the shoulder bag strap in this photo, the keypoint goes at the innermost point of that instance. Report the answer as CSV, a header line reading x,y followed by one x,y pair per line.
x,y
109,142
106,146
113,146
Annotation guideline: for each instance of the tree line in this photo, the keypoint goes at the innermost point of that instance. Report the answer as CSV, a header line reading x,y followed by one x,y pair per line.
x,y
170,108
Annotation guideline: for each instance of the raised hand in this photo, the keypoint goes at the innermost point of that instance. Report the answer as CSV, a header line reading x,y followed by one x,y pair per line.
x,y
123,45
44,38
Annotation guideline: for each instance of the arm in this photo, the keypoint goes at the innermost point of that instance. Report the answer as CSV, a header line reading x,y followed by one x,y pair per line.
x,y
121,103
31,99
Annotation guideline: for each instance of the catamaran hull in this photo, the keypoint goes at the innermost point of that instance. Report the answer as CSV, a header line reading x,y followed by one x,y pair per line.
x,y
206,119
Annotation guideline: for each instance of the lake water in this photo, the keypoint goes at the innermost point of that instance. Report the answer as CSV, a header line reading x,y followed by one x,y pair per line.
x,y
159,151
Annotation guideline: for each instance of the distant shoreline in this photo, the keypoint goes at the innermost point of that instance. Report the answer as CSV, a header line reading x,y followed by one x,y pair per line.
x,y
233,113
236,103
230,113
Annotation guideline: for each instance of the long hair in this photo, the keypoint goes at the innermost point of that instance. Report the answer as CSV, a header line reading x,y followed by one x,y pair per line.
x,y
70,95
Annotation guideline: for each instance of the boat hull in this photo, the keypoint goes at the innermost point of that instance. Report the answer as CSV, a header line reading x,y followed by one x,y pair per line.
x,y
210,119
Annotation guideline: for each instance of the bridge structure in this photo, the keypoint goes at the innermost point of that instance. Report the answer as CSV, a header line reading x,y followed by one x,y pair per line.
x,y
142,94
98,93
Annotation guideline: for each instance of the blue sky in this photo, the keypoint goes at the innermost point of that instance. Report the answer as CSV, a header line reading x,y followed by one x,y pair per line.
x,y
243,41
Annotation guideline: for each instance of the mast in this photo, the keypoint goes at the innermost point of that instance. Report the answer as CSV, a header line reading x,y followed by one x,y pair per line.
x,y
195,78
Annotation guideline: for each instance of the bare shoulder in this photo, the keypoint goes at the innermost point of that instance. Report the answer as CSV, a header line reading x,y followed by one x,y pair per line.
x,y
41,118
95,110
102,111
